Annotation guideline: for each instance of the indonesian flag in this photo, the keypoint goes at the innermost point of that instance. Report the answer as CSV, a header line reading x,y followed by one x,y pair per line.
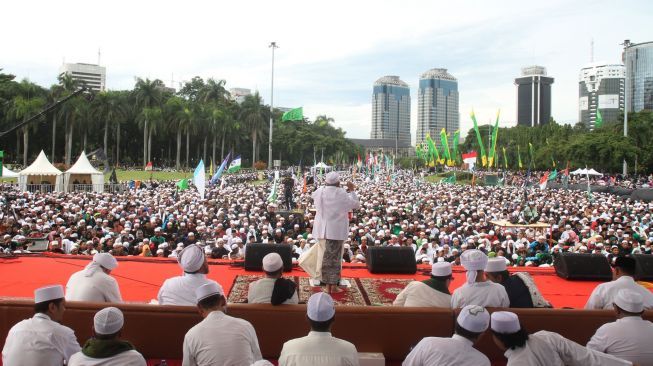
x,y
149,166
543,180
470,158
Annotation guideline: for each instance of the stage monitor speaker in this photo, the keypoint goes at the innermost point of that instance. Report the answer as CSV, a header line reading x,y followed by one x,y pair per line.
x,y
391,260
579,266
644,270
255,252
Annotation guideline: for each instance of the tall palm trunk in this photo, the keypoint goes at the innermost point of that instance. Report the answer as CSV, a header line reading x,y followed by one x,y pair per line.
x,y
106,137
65,140
69,143
178,158
224,134
253,147
215,140
25,144
54,135
117,144
149,143
204,149
85,135
145,129
187,147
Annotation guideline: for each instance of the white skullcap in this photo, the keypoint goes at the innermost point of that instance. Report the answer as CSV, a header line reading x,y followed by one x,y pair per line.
x,y
474,318
332,178
629,301
208,289
473,260
48,293
272,262
106,260
320,307
191,258
262,363
505,322
108,321
497,264
441,269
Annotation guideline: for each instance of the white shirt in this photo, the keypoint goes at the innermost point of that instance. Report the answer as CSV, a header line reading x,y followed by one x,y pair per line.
x,y
99,287
180,290
454,351
127,358
485,294
260,292
629,338
420,294
551,349
220,339
39,341
604,294
318,349
332,218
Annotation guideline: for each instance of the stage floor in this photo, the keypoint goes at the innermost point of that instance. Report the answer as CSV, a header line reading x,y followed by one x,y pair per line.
x,y
140,278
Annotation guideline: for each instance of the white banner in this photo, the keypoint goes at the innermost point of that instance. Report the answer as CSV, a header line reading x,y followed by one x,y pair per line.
x,y
609,101
583,103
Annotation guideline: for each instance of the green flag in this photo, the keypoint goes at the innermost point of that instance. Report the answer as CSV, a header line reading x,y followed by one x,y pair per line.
x,y
505,158
553,175
434,154
530,152
444,141
182,185
273,193
599,119
519,158
456,141
296,114
480,141
495,135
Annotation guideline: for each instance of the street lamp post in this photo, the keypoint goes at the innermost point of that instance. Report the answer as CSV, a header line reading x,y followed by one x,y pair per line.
x,y
626,44
272,45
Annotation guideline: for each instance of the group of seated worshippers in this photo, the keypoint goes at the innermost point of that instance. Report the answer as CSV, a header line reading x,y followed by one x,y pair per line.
x,y
220,339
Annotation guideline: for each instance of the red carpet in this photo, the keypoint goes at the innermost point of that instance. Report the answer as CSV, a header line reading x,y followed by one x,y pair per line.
x,y
140,278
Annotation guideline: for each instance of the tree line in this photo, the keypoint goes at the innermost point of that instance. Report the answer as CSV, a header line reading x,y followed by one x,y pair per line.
x,y
151,123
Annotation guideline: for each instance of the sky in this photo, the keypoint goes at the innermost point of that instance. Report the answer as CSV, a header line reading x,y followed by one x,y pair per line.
x,y
331,52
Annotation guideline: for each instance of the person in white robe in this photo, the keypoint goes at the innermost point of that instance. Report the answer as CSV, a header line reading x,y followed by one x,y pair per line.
x,y
478,290
94,282
180,290
433,292
273,288
604,294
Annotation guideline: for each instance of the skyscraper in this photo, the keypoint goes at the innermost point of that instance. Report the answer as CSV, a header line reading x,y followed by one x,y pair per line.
x,y
93,76
391,110
437,105
533,96
638,59
601,86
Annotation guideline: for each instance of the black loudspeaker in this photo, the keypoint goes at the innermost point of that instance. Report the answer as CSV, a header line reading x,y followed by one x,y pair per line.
x,y
254,253
644,269
579,266
391,260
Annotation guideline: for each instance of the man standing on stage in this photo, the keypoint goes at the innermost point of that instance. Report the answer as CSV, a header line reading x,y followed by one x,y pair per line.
x,y
331,228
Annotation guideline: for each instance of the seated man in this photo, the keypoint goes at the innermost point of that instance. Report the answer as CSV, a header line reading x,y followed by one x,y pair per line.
x,y
180,290
478,290
41,340
521,288
471,323
273,289
431,292
106,347
630,336
219,339
94,282
319,347
604,294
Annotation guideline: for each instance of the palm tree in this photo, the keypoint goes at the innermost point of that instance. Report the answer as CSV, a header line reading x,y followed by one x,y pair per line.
x,y
322,120
23,108
255,116
214,95
148,94
146,119
173,117
67,111
53,95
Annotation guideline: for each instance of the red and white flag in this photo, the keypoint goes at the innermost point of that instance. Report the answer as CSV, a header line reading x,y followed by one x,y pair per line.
x,y
543,180
149,166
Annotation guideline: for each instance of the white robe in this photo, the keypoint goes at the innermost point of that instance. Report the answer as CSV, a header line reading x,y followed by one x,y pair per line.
x,y
99,287
180,290
453,351
551,349
604,294
333,205
629,338
420,294
127,358
318,349
39,341
260,292
485,294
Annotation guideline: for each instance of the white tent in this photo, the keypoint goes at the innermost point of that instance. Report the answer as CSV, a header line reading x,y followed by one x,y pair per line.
x,y
82,172
579,172
593,172
41,172
321,165
8,173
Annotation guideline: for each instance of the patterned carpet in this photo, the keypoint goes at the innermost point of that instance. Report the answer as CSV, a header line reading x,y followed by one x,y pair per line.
x,y
364,291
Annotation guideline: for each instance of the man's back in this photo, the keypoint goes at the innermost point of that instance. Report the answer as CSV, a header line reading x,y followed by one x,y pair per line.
x,y
604,294
419,294
127,358
260,292
180,290
485,294
628,338
432,351
318,349
99,287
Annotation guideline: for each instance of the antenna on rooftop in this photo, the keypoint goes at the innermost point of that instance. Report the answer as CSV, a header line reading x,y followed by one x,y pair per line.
x,y
592,50
98,56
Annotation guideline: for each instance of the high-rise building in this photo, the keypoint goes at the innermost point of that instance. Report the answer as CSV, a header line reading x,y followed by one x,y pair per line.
x,y
93,76
437,105
601,86
533,96
391,110
638,59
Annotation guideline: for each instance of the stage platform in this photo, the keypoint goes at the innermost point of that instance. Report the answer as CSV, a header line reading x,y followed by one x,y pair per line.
x,y
140,279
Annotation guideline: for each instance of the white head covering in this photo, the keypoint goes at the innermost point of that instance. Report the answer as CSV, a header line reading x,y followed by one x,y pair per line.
x,y
191,258
272,262
474,318
441,269
332,178
629,301
320,307
473,260
497,264
48,293
262,363
108,321
105,260
208,289
505,322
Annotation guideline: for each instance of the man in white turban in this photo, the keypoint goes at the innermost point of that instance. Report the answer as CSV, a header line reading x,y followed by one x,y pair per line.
x,y
94,282
478,290
180,290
